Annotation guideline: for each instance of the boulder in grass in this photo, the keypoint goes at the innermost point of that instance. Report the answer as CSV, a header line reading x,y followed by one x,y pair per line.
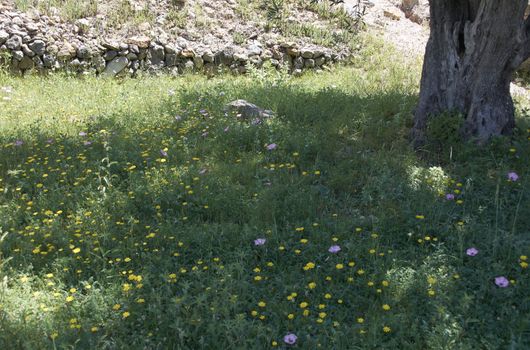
x,y
247,111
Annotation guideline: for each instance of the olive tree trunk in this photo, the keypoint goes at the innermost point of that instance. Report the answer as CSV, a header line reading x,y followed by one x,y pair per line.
x,y
473,49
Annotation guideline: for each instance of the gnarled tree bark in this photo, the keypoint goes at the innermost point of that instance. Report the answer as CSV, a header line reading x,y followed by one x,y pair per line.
x,y
473,50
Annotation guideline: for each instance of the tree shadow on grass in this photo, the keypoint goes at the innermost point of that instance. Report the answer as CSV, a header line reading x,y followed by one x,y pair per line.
x,y
207,180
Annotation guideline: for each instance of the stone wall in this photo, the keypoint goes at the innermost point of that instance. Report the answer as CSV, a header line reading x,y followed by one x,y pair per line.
x,y
42,44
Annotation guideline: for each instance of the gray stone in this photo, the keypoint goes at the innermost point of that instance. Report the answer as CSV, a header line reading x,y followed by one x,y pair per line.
x,y
169,49
18,55
241,57
110,55
66,52
123,53
27,51
83,52
318,53
75,63
156,55
3,37
116,66
38,46
254,50
208,57
111,45
309,63
131,56
14,43
188,66
53,49
48,60
297,72
141,41
306,53
31,27
247,111
134,49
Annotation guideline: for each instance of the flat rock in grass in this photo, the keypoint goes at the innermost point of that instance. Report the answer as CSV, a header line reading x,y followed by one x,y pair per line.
x,y
116,66
248,111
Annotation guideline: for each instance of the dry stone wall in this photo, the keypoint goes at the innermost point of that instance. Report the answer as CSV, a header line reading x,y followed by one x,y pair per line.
x,y
39,43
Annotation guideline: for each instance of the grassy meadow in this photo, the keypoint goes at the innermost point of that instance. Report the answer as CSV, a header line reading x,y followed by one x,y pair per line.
x,y
137,214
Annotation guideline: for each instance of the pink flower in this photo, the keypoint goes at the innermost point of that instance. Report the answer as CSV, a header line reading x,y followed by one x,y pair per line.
x,y
502,282
449,196
272,146
260,241
334,249
512,176
290,339
472,251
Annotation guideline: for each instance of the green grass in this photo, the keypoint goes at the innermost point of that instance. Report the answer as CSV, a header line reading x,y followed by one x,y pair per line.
x,y
69,9
110,244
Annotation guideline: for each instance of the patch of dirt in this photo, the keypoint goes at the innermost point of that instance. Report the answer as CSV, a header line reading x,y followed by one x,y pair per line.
x,y
386,19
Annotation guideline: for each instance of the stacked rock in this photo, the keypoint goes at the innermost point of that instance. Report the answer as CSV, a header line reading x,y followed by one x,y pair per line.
x,y
40,43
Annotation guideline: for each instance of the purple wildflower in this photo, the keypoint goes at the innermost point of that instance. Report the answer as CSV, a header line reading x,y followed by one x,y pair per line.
x,y
19,143
272,146
472,251
290,339
178,118
204,112
226,129
49,141
512,176
163,153
450,196
260,241
87,143
502,282
82,133
334,249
